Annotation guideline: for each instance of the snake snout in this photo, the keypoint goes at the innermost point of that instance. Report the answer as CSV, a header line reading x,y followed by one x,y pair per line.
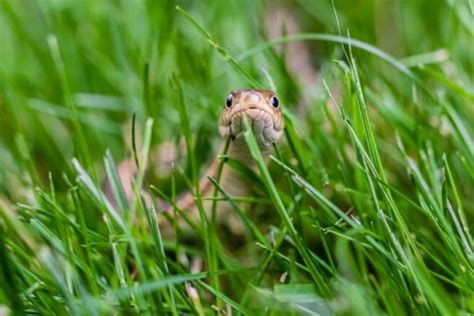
x,y
253,115
260,121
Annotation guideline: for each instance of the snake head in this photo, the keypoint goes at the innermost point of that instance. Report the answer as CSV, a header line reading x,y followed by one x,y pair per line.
x,y
263,111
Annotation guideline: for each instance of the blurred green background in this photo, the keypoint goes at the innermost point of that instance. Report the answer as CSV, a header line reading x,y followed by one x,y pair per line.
x,y
72,73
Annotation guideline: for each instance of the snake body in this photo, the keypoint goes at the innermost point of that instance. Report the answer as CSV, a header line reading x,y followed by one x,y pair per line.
x,y
263,111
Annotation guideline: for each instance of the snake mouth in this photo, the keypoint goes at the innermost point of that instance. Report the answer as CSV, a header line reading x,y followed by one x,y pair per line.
x,y
261,122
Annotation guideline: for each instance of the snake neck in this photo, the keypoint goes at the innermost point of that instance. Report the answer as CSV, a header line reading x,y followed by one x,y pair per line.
x,y
233,182
239,150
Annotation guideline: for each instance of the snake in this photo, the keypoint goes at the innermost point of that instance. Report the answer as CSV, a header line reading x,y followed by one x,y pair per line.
x,y
262,109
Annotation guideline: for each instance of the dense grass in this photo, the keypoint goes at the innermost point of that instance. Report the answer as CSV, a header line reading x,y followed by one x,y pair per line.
x,y
365,208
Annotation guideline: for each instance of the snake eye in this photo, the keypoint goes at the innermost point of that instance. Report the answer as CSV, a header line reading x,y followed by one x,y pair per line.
x,y
228,101
275,102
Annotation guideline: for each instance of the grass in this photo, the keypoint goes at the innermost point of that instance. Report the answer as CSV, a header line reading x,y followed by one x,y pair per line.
x,y
366,207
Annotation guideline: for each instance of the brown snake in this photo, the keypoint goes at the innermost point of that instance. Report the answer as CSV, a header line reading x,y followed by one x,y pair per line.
x,y
263,112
